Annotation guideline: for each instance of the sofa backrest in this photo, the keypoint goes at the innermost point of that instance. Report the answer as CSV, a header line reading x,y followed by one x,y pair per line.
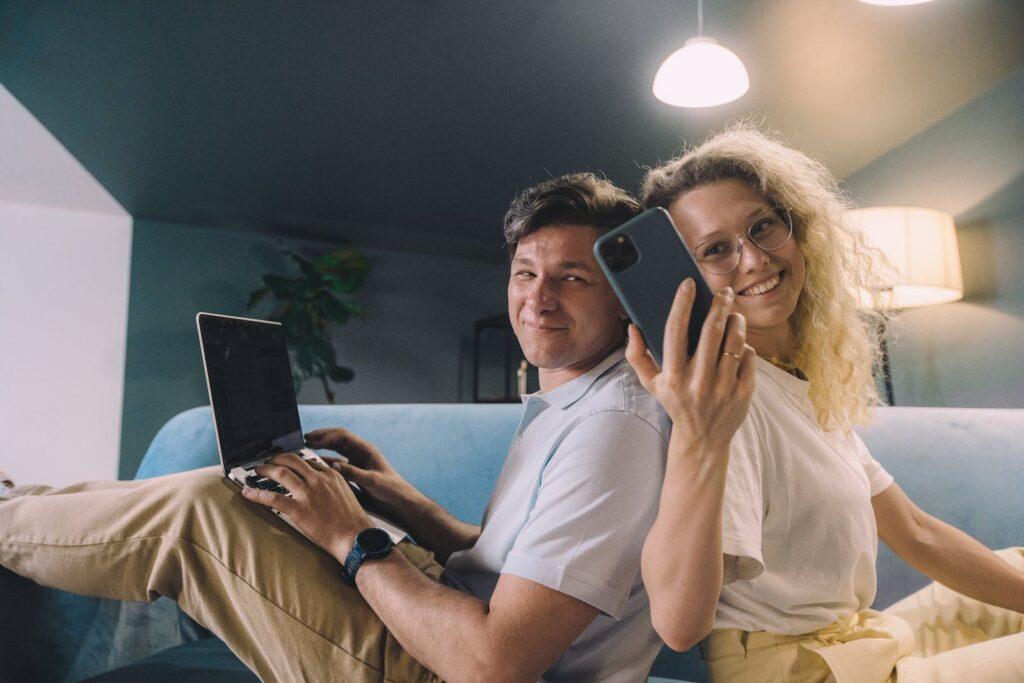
x,y
452,452
962,465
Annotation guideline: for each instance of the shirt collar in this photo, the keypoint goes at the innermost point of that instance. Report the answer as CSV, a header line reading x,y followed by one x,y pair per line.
x,y
573,390
794,385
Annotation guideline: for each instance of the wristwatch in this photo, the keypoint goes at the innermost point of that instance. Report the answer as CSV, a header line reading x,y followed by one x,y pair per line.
x,y
371,544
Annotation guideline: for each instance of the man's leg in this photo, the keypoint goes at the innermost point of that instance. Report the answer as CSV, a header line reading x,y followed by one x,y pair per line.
x,y
276,600
45,490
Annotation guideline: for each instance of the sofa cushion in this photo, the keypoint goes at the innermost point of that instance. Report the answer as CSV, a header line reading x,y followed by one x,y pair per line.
x,y
200,660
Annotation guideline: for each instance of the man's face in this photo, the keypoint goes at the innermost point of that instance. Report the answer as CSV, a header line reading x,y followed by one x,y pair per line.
x,y
562,308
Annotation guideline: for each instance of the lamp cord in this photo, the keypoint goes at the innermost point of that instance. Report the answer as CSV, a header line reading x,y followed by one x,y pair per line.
x,y
700,17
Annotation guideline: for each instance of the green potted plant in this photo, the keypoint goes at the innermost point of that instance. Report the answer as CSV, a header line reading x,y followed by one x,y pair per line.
x,y
310,305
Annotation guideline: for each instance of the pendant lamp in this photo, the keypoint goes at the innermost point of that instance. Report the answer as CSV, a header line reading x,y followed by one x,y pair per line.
x,y
702,73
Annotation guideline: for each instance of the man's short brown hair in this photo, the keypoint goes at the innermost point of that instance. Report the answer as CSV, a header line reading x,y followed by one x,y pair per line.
x,y
573,199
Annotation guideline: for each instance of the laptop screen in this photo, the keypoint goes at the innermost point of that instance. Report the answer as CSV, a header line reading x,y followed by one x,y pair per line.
x,y
251,391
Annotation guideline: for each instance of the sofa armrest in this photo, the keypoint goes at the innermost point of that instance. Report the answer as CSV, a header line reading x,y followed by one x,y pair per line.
x,y
44,630
52,635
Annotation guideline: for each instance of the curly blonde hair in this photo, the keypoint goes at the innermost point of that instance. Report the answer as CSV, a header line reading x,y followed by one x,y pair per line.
x,y
837,340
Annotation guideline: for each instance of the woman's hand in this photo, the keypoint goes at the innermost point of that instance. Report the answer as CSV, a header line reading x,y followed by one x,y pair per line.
x,y
384,489
321,503
706,395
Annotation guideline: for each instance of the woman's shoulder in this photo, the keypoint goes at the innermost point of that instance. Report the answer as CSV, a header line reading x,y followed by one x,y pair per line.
x,y
779,397
771,420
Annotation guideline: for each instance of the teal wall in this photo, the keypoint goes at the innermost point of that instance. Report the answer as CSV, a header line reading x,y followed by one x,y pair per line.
x,y
412,346
971,164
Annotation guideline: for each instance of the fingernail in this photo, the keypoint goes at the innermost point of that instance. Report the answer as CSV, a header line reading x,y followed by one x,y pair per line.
x,y
727,292
688,284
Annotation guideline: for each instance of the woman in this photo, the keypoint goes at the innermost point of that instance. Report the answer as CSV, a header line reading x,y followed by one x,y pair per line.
x,y
766,538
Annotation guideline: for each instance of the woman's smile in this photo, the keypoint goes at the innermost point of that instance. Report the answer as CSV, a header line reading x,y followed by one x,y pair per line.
x,y
763,287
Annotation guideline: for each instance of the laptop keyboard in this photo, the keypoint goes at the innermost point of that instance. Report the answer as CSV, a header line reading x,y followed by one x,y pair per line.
x,y
256,481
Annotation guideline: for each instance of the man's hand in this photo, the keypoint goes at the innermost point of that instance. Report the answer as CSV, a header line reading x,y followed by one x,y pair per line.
x,y
321,504
385,489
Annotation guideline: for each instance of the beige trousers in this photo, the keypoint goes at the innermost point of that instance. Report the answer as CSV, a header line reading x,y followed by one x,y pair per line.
x,y
276,599
935,635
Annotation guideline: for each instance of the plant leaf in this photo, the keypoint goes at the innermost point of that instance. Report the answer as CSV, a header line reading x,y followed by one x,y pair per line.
x,y
341,374
304,357
335,311
298,323
282,287
256,296
323,353
280,313
306,266
344,270
310,305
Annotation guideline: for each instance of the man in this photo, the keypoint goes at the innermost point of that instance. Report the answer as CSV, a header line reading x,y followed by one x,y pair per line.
x,y
549,586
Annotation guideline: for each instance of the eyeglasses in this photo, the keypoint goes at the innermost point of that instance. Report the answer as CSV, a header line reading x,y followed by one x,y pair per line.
x,y
721,254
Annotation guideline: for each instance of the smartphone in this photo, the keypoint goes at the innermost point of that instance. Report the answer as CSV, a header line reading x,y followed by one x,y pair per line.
x,y
645,260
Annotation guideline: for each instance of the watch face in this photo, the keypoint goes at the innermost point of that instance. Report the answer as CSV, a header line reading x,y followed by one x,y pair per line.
x,y
373,540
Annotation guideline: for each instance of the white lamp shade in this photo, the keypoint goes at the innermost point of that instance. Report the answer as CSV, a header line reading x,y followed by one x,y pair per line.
x,y
921,246
701,73
893,3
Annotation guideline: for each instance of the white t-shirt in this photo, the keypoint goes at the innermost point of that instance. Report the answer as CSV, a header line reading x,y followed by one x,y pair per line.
x,y
797,517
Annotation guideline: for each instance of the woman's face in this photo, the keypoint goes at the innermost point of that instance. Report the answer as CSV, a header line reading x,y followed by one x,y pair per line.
x,y
727,208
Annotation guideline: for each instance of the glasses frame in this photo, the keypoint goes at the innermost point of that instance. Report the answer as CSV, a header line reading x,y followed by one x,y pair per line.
x,y
784,212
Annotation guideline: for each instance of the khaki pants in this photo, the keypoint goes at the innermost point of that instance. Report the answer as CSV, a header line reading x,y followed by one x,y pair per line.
x,y
934,635
276,600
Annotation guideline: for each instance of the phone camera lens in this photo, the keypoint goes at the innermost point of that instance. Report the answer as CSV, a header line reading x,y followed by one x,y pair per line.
x,y
620,253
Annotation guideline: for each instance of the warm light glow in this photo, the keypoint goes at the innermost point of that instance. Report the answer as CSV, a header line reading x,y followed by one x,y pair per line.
x,y
922,248
893,3
701,73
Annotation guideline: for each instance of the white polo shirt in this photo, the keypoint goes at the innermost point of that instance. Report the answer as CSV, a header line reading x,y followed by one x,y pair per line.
x,y
573,504
797,517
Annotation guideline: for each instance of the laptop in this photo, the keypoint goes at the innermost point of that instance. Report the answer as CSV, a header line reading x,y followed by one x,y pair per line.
x,y
252,398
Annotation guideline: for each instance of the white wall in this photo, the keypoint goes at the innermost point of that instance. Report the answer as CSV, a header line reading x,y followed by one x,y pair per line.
x,y
65,249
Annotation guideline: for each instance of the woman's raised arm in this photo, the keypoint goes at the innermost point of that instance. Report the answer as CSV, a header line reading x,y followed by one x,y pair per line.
x,y
707,397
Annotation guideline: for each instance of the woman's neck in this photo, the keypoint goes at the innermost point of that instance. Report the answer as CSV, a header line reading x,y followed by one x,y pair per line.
x,y
777,345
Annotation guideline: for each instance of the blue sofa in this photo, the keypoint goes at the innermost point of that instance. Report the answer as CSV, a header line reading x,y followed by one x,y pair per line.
x,y
965,466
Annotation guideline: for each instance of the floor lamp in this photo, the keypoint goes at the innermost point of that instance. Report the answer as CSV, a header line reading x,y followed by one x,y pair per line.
x,y
920,245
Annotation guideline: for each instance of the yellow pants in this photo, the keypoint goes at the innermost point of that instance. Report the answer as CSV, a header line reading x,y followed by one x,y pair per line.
x,y
276,600
934,635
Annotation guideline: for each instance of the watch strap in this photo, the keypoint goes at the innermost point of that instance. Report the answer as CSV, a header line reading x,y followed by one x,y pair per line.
x,y
359,554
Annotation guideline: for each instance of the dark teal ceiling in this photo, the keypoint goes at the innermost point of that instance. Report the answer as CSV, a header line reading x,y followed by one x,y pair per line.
x,y
403,124
322,117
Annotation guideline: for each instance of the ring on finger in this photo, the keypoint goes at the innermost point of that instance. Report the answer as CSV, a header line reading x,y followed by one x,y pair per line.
x,y
737,356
